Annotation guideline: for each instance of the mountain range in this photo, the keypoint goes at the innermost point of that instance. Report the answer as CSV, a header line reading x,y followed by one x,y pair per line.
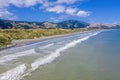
x,y
69,24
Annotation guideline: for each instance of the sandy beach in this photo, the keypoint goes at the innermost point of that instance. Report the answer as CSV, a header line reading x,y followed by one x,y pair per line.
x,y
21,42
30,41
73,57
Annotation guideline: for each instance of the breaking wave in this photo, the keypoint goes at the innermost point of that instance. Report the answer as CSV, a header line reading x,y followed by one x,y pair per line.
x,y
15,56
20,71
14,74
46,46
49,58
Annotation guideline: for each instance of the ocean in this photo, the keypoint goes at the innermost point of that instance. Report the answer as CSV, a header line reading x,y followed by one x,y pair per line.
x,y
91,55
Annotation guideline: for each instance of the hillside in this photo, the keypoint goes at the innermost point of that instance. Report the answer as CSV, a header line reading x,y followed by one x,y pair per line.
x,y
104,26
70,24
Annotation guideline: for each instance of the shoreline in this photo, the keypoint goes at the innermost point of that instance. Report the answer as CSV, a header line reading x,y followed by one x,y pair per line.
x,y
21,42
31,41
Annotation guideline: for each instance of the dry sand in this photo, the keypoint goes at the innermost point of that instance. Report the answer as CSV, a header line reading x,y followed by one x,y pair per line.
x,y
21,42
28,41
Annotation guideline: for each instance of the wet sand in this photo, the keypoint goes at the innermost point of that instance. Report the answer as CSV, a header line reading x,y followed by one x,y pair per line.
x,y
21,42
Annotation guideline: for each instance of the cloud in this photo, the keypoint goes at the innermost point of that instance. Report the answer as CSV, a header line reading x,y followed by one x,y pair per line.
x,y
82,13
57,9
54,19
71,11
62,17
20,3
56,6
5,14
29,3
5,4
67,1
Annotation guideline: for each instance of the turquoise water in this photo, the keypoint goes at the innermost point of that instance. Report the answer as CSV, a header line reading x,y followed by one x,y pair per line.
x,y
88,56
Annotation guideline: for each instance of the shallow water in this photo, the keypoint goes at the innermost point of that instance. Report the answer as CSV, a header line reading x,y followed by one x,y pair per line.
x,y
88,56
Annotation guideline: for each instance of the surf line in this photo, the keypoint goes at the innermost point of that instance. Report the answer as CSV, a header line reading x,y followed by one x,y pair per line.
x,y
50,58
14,74
15,56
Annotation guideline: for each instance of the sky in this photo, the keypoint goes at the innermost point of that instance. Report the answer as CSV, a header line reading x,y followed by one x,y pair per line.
x,y
91,11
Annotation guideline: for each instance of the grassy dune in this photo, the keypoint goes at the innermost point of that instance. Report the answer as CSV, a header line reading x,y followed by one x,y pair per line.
x,y
7,35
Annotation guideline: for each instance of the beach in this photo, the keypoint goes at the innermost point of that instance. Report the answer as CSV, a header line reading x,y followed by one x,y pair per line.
x,y
80,56
21,42
29,41
59,40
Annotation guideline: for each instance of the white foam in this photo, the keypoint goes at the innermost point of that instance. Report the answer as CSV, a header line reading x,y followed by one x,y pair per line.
x,y
62,42
14,74
45,60
15,56
48,59
47,46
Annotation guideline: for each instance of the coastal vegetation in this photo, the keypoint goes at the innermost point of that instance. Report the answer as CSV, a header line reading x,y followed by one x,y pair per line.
x,y
7,35
16,30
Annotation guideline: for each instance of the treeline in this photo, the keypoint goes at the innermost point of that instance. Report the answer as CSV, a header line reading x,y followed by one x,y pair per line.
x,y
7,35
